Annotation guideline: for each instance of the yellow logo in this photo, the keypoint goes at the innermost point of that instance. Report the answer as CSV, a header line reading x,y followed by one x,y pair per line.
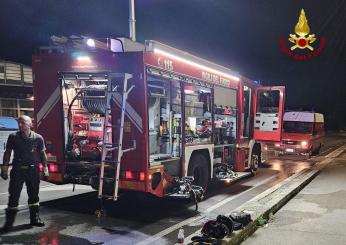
x,y
302,39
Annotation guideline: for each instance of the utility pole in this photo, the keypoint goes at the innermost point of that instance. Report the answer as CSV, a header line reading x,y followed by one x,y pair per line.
x,y
132,20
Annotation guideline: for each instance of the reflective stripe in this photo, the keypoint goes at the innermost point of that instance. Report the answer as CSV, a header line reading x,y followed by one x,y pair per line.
x,y
48,106
34,204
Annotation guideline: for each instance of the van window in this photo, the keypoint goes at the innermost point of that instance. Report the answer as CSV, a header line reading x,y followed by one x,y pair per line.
x,y
298,127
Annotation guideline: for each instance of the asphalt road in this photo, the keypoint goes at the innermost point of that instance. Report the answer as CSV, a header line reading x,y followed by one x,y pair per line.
x,y
136,219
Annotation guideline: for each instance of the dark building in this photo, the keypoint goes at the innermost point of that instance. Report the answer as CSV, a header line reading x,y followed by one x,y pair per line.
x,y
16,96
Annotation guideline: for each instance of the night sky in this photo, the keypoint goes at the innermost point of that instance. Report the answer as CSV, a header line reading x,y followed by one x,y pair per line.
x,y
240,34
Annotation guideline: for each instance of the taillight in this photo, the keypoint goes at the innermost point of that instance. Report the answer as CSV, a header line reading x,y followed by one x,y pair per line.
x,y
40,166
53,168
128,175
277,145
141,176
132,175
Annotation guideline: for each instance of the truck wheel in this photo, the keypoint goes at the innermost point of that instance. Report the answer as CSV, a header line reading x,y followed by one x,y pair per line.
x,y
254,163
198,168
317,151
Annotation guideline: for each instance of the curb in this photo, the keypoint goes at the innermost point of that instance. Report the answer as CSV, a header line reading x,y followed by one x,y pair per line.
x,y
271,200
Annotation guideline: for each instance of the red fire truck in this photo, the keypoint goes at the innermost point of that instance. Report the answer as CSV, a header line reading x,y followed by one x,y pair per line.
x,y
123,115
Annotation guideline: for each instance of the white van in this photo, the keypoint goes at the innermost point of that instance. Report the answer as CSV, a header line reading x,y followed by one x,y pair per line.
x,y
8,125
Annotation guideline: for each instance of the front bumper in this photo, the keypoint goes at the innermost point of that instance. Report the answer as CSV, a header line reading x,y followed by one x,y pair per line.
x,y
292,149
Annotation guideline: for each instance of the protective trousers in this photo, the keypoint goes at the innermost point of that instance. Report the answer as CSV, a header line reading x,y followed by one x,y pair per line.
x,y
30,175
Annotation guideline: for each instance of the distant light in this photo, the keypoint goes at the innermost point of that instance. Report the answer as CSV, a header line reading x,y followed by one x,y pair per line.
x,y
189,62
83,58
91,42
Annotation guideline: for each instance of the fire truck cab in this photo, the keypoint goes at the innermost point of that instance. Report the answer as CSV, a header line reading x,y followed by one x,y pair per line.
x,y
184,116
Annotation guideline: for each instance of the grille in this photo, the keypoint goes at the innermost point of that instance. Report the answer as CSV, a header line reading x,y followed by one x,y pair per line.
x,y
290,142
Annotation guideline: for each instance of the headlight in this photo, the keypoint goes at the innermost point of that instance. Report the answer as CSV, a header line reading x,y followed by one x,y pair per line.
x,y
304,143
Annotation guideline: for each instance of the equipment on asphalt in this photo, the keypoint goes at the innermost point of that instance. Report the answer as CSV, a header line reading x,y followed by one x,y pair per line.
x,y
215,229
184,189
181,237
241,217
201,240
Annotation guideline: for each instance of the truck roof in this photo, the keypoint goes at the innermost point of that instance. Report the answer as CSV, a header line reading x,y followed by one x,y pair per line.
x,y
121,44
303,116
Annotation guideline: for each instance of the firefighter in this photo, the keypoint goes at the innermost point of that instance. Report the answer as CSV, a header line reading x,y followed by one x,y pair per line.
x,y
29,151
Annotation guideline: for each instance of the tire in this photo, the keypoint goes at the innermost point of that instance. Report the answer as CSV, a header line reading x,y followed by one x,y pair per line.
x,y
317,151
255,158
198,168
308,155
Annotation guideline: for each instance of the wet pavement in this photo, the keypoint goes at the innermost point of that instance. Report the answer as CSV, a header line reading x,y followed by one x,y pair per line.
x,y
135,219
317,215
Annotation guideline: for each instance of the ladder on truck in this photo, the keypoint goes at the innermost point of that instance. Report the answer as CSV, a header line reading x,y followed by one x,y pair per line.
x,y
115,148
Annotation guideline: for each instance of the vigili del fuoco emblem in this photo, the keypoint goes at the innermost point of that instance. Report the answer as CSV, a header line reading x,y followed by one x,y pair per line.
x,y
302,40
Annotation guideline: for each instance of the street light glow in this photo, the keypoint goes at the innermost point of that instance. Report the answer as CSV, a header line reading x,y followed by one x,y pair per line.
x,y
91,42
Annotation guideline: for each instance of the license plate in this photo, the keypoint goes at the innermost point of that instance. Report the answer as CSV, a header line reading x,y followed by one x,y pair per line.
x,y
289,150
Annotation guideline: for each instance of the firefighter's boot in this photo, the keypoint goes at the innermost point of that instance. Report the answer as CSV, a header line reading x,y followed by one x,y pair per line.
x,y
34,217
10,216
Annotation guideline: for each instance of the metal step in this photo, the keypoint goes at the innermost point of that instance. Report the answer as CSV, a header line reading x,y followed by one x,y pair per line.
x,y
111,144
113,126
178,196
109,197
89,97
110,161
107,178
